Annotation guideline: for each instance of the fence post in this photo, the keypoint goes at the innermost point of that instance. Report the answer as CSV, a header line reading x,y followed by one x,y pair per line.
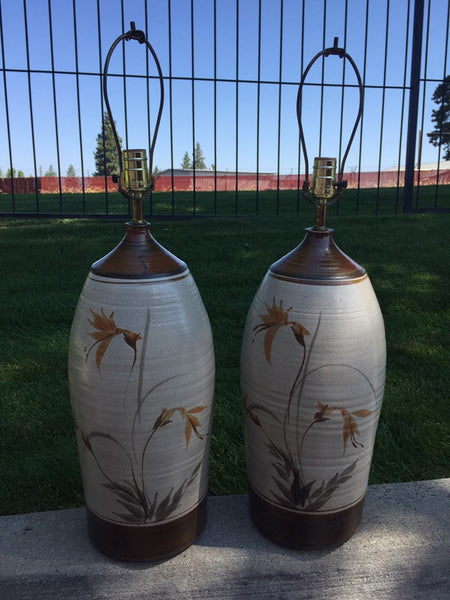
x,y
413,105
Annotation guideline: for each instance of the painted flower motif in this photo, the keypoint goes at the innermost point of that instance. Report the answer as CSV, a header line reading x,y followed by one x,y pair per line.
x,y
350,429
191,422
164,418
275,318
299,333
106,331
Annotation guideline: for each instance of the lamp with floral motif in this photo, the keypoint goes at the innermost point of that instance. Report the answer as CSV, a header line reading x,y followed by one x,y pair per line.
x,y
312,377
141,370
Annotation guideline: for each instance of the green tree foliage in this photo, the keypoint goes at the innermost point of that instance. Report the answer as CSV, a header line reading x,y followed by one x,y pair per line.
x,y
10,173
20,173
105,155
50,172
71,171
199,159
440,136
1,173
187,162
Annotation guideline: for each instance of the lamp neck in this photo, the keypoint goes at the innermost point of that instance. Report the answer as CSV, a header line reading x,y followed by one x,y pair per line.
x,y
137,215
319,220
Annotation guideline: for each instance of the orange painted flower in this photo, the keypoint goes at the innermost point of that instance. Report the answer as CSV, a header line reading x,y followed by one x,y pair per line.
x,y
276,318
299,332
164,418
106,331
350,430
191,422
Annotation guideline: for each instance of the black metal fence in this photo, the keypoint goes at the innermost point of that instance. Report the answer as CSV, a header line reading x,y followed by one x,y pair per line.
x,y
231,72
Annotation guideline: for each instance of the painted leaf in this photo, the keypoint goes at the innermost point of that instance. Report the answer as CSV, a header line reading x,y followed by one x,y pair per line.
x,y
281,470
128,497
194,473
177,498
187,432
196,409
133,509
268,341
362,413
283,489
282,501
161,511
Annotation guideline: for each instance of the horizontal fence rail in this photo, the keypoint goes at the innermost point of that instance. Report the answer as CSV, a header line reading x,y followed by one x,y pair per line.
x,y
231,74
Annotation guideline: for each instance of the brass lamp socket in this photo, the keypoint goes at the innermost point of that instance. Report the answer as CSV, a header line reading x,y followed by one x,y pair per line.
x,y
135,172
323,178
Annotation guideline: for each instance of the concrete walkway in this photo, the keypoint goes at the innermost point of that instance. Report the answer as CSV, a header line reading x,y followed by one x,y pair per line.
x,y
401,551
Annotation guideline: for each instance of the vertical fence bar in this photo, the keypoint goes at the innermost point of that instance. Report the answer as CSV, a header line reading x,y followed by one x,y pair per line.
x,y
55,110
302,53
383,104
172,178
341,124
425,73
30,103
280,78
361,126
258,107
124,70
405,71
8,127
236,194
100,69
215,105
147,93
77,81
436,189
413,110
322,90
124,76
147,90
194,166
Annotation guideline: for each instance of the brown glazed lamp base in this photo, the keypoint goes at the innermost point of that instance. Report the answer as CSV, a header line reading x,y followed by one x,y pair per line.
x,y
147,543
301,530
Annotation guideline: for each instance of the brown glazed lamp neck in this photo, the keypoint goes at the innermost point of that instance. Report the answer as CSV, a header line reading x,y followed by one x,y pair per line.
x,y
138,256
318,258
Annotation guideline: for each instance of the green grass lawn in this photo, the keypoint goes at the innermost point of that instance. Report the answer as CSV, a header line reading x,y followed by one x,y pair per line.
x,y
43,265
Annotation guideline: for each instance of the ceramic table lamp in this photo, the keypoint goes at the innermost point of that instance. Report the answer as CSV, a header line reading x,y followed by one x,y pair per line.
x,y
313,372
141,370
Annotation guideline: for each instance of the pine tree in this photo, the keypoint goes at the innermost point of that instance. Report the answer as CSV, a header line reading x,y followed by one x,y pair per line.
x,y
440,136
199,159
187,162
50,172
71,171
105,155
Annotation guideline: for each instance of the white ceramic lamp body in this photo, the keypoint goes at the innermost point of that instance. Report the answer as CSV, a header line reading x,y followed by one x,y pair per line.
x,y
313,372
141,370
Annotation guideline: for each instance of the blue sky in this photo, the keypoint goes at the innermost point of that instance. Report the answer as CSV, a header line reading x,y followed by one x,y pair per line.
x,y
382,14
